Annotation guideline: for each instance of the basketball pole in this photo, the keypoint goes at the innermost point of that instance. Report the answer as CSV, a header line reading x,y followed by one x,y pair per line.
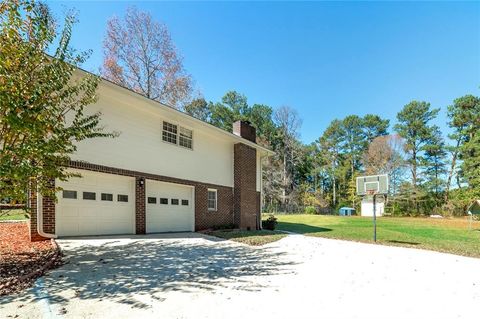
x,y
374,218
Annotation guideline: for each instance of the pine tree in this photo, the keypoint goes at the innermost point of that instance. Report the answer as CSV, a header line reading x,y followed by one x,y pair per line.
x,y
413,125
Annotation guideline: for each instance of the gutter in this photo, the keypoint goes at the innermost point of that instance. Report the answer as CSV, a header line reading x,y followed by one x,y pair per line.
x,y
40,218
261,189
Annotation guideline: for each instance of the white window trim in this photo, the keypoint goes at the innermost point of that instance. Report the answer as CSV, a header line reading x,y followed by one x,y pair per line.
x,y
178,135
216,199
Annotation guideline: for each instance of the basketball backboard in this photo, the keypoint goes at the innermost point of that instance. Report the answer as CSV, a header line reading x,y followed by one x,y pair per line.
x,y
373,184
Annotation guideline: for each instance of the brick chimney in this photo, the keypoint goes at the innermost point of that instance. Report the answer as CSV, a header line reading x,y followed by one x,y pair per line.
x,y
246,130
246,200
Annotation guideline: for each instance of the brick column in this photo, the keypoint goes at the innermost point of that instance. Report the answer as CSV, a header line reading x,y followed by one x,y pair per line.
x,y
140,223
201,208
48,213
246,208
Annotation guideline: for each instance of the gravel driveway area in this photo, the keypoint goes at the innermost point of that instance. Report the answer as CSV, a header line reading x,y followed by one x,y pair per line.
x,y
197,276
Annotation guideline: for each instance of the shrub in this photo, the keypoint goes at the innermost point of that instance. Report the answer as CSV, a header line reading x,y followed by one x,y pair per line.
x,y
270,223
310,210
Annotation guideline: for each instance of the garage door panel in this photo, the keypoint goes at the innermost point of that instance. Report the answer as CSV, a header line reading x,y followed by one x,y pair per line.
x,y
168,217
70,228
82,217
105,228
69,211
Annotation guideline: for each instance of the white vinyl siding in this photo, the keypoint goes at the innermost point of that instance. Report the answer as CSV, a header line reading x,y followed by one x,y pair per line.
x,y
140,146
212,199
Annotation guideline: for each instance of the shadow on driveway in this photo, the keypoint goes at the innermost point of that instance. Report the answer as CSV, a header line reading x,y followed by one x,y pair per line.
x,y
116,268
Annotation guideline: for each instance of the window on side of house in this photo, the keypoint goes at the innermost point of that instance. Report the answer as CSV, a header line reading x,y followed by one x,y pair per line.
x,y
186,137
169,133
174,201
152,200
164,201
212,199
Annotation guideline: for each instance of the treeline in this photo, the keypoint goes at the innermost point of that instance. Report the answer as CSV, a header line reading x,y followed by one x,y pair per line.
x,y
429,173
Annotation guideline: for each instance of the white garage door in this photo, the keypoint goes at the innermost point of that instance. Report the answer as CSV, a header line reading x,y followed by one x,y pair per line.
x,y
170,207
96,204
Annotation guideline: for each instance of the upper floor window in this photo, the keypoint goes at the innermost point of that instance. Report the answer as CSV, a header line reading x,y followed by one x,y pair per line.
x,y
169,133
186,136
177,135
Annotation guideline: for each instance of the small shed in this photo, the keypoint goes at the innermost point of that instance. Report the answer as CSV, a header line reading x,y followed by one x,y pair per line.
x,y
474,208
346,211
367,207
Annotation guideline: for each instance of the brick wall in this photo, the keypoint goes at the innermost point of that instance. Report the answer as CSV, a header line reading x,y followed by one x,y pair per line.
x,y
246,209
223,216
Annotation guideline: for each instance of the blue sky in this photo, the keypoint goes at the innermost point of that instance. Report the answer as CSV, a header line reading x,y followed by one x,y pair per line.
x,y
325,59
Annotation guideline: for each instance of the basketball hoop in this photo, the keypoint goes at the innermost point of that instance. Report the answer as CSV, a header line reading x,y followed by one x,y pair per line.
x,y
372,186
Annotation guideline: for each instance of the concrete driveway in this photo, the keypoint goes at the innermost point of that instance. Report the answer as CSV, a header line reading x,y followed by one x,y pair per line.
x,y
196,276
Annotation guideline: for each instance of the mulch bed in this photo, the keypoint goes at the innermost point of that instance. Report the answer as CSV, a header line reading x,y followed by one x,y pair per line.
x,y
22,261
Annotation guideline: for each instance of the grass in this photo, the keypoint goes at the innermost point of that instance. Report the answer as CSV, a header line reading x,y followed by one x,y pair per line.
x,y
253,237
14,214
444,235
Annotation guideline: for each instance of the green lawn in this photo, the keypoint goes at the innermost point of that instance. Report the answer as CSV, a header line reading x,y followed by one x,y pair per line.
x,y
445,235
253,237
15,214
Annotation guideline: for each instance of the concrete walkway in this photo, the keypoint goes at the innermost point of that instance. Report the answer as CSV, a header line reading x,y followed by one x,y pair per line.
x,y
196,276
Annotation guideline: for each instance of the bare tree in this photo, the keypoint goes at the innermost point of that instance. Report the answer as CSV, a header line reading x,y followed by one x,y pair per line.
x,y
385,156
378,156
288,148
139,54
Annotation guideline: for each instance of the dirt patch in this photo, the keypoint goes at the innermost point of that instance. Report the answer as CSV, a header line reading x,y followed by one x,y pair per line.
x,y
22,261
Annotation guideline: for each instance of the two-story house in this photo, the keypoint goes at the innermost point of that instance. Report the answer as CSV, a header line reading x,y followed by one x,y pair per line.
x,y
165,172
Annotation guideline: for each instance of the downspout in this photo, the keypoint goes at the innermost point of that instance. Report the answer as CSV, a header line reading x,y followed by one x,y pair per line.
x,y
40,218
261,192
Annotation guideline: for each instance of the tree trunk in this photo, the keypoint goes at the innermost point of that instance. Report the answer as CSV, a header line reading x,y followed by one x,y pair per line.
x,y
334,192
353,172
450,173
414,179
284,178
